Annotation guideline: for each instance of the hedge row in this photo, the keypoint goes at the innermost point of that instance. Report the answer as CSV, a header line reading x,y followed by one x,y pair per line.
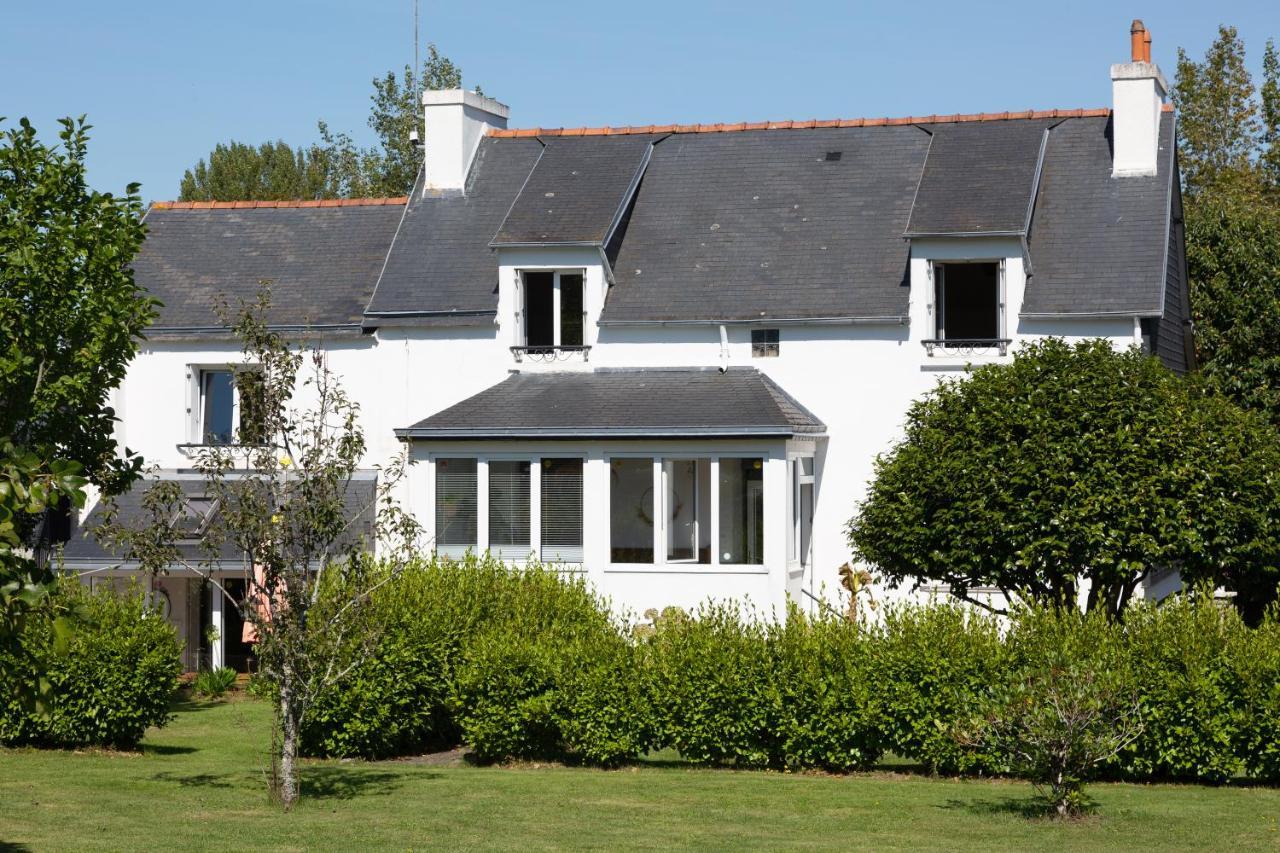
x,y
525,664
113,680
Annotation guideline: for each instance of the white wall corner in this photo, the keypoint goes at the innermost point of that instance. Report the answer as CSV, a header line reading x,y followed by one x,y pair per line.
x,y
454,122
1138,90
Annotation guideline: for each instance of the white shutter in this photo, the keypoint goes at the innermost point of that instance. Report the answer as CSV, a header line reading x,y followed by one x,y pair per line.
x,y
561,523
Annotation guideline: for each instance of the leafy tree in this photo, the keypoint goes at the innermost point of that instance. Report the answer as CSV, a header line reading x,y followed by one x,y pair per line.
x,y
71,315
284,501
335,167
1076,463
271,172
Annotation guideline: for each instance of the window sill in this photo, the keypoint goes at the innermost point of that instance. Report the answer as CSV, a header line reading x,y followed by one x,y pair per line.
x,y
682,569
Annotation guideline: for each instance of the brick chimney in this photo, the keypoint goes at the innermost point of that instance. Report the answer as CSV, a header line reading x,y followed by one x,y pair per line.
x,y
455,121
1138,90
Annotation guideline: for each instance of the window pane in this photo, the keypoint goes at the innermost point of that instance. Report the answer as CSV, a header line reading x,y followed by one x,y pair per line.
x,y
631,510
562,510
217,399
571,310
806,521
742,511
455,506
687,509
252,408
539,321
509,509
971,309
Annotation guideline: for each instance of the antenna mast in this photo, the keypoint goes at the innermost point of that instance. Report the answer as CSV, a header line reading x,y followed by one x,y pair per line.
x,y
415,37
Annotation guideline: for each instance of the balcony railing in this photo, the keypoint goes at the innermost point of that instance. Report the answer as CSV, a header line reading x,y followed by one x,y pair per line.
x,y
967,346
548,354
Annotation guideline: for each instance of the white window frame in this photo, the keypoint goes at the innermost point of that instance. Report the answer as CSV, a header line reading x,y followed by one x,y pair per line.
x,y
938,287
482,544
521,304
195,401
796,478
660,512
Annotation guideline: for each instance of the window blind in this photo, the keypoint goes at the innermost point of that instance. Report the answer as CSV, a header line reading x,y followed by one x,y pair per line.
x,y
509,509
456,524
562,511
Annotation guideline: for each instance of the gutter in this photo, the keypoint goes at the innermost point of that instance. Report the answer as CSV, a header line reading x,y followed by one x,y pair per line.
x,y
600,432
893,319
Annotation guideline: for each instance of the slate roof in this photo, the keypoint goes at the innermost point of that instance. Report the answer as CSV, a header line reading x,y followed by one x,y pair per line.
x,y
84,549
1097,243
670,402
441,267
978,178
322,260
576,191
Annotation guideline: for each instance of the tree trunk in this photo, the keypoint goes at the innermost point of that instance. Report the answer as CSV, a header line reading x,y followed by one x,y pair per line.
x,y
288,744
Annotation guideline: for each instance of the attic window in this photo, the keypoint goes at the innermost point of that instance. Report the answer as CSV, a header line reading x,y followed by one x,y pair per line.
x,y
551,314
832,156
764,343
968,307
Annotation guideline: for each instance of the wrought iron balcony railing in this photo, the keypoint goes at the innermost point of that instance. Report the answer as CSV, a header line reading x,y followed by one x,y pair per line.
x,y
550,353
967,346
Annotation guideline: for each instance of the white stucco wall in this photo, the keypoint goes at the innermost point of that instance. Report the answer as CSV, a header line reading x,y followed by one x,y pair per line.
x,y
857,378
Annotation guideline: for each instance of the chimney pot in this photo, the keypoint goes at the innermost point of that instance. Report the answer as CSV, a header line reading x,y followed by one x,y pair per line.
x,y
1146,47
1137,38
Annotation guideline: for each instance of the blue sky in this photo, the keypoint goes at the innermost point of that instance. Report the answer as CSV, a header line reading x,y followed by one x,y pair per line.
x,y
163,81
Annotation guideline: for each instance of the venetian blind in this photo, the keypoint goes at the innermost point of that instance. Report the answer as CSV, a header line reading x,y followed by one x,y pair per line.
x,y
562,510
455,504
509,508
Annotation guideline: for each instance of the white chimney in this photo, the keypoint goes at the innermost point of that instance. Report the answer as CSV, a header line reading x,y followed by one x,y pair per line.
x,y
1138,90
455,121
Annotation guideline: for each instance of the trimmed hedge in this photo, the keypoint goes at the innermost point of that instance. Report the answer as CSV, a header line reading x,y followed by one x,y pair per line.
x,y
114,680
528,664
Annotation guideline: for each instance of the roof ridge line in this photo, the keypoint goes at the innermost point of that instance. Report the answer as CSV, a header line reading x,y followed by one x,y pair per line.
x,y
729,127
249,205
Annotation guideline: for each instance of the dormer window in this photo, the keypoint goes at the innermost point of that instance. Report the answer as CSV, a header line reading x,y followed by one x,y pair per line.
x,y
552,317
968,307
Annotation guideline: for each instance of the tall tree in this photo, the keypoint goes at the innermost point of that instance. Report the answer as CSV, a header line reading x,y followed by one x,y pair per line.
x,y
1076,464
1229,149
336,166
71,315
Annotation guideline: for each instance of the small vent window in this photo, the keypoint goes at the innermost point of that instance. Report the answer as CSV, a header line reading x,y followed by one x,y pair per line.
x,y
764,343
832,156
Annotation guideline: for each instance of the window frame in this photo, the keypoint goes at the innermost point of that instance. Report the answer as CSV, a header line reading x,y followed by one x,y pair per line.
x,y
660,563
938,278
766,343
196,403
482,544
557,330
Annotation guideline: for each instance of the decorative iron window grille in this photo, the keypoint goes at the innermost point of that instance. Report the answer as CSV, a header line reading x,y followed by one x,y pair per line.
x,y
547,354
967,346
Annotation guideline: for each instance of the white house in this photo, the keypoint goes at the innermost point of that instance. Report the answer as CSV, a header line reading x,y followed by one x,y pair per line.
x,y
666,357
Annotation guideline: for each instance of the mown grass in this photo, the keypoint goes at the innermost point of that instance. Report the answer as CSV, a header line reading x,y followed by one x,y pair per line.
x,y
199,784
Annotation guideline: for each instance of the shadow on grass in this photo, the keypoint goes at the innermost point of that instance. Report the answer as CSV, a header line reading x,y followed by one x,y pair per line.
x,y
196,780
166,749
1025,807
13,847
346,783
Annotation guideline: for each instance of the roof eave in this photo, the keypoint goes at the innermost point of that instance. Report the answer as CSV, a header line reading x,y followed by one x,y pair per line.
x,y
887,319
619,433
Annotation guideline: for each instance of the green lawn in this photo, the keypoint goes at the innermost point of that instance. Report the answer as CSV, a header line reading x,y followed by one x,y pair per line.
x,y
198,784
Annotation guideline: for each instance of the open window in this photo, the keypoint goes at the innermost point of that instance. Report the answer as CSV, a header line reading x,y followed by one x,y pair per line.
x,y
552,314
968,307
686,492
802,486
229,406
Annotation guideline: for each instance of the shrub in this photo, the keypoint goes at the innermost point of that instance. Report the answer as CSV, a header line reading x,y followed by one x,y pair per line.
x,y
1185,689
1067,707
114,680
214,683
824,709
931,664
1254,658
709,679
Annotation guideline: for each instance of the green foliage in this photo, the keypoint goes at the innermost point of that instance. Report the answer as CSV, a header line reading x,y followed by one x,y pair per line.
x,y
70,313
1066,706
1186,693
110,680
1073,462
336,166
1254,657
932,665
214,683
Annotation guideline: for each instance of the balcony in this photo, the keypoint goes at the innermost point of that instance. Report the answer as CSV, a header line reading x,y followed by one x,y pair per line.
x,y
547,354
